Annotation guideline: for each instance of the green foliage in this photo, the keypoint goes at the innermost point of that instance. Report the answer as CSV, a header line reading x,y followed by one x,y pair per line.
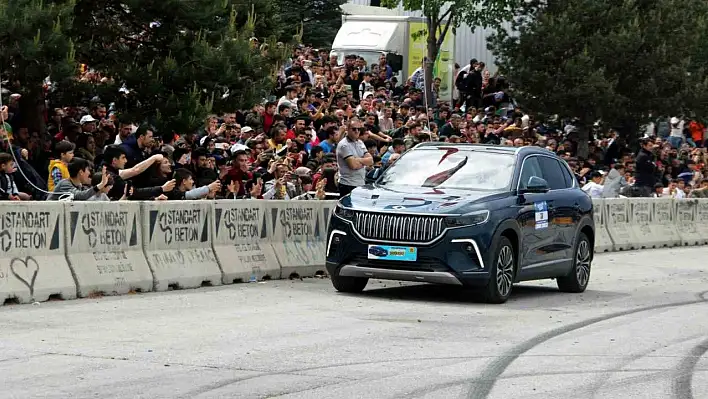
x,y
34,45
618,61
180,59
320,20
197,59
34,42
442,15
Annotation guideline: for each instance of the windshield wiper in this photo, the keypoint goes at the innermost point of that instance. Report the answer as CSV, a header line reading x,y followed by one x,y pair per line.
x,y
441,177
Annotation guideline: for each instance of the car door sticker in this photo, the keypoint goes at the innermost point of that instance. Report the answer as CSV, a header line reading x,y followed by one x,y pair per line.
x,y
541,213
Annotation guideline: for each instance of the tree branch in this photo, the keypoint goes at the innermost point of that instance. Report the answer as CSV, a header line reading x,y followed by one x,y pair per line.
x,y
441,38
447,13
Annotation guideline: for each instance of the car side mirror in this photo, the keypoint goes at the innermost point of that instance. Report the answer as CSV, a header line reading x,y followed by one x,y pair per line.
x,y
536,185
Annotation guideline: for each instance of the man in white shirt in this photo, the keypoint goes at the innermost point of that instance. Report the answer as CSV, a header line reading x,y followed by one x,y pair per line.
x,y
674,191
594,187
676,138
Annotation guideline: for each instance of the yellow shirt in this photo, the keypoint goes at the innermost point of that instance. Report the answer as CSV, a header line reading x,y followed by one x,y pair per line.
x,y
58,164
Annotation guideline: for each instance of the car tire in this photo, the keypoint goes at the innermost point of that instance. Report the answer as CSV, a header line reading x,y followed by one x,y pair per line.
x,y
348,284
502,272
577,280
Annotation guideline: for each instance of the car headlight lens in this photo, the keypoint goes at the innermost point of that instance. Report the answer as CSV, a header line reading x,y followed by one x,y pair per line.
x,y
470,219
343,213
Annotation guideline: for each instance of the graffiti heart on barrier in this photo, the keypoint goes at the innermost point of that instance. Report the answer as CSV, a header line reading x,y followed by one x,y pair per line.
x,y
29,267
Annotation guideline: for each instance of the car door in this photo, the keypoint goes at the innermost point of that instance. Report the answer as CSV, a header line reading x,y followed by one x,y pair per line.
x,y
535,213
564,215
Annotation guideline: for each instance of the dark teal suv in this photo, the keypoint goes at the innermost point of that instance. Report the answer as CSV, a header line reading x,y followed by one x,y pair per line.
x,y
469,215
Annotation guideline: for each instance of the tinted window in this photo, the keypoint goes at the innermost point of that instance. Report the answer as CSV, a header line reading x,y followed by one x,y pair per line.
x,y
568,176
453,168
552,173
531,168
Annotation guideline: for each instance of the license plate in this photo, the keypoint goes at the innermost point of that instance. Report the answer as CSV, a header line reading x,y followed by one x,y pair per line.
x,y
386,252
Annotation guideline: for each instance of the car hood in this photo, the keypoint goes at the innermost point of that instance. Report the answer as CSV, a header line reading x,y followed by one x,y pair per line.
x,y
414,199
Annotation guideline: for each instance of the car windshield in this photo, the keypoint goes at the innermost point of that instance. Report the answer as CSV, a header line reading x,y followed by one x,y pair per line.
x,y
452,168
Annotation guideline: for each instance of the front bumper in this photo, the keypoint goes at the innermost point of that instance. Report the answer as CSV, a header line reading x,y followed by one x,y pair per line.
x,y
458,257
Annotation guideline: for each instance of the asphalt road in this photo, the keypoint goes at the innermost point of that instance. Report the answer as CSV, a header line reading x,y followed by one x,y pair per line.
x,y
640,331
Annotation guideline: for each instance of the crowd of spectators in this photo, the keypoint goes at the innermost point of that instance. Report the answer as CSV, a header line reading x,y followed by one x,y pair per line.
x,y
329,128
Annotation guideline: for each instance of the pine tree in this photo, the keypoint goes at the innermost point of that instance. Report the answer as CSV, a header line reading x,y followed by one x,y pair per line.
x,y
615,61
35,44
320,20
179,60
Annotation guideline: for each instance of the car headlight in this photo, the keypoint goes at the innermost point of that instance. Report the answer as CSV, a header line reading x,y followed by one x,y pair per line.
x,y
470,219
343,213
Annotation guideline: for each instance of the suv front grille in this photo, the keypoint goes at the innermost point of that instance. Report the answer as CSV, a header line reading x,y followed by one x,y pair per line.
x,y
398,227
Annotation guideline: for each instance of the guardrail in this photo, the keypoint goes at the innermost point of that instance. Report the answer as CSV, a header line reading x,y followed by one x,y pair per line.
x,y
79,249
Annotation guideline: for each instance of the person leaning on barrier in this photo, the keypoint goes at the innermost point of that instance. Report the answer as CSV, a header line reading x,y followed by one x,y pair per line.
x,y
115,160
614,181
79,182
253,188
8,188
184,187
281,186
701,192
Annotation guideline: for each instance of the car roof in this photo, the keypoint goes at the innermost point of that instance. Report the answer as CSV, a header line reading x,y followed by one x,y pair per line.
x,y
522,151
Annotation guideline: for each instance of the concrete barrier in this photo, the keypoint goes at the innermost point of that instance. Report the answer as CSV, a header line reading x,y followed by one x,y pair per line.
x,y
702,220
104,248
640,213
178,246
296,233
240,241
69,249
617,211
33,264
603,241
686,222
663,227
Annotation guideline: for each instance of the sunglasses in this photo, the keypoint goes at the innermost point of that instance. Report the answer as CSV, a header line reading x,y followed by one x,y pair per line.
x,y
359,129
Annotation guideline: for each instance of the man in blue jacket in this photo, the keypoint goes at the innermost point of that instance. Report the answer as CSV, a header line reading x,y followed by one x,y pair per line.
x,y
138,146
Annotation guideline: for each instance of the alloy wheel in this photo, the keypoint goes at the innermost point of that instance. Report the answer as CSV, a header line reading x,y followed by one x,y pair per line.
x,y
582,263
505,271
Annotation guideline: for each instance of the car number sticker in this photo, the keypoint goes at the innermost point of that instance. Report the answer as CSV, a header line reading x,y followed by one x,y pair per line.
x,y
385,252
541,214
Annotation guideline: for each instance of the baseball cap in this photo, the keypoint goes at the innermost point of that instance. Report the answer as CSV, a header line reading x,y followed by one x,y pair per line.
x,y
87,119
303,171
239,147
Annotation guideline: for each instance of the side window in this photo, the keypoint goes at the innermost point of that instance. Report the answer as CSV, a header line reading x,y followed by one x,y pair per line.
x,y
569,178
553,173
531,167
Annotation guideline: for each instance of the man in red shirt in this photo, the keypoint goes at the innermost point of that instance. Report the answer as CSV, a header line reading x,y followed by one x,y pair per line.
x,y
268,116
239,171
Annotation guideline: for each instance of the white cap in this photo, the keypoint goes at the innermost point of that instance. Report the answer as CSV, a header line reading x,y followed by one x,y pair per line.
x,y
303,171
246,129
238,147
675,121
87,119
